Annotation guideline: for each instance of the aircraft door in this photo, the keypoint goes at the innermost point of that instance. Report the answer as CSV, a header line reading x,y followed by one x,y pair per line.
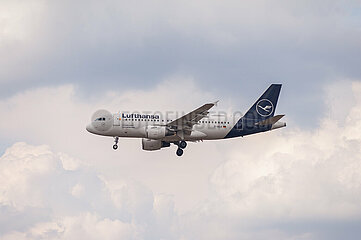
x,y
116,119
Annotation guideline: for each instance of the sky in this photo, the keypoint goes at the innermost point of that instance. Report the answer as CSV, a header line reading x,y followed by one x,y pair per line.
x,y
62,60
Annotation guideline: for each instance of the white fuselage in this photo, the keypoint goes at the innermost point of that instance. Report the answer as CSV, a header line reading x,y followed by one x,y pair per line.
x,y
135,126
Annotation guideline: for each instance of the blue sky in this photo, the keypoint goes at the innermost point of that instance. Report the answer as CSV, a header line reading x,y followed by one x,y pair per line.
x,y
62,60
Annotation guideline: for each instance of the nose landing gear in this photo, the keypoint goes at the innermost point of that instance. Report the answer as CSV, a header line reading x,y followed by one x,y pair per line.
x,y
115,146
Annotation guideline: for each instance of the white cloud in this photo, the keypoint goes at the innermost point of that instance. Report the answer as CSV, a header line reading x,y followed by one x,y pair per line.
x,y
131,197
68,162
21,167
80,203
77,190
86,225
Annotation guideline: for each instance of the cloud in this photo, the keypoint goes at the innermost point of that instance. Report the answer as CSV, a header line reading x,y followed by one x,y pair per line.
x,y
68,204
87,226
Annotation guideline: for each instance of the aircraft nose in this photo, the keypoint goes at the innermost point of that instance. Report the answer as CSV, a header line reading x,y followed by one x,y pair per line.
x,y
89,128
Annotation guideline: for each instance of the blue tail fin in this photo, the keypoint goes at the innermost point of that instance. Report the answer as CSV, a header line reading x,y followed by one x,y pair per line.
x,y
265,106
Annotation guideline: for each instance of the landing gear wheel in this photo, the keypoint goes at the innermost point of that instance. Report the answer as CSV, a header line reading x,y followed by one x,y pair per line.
x,y
115,146
179,152
183,144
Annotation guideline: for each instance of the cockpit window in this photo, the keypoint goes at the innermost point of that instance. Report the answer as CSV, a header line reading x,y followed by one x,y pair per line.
x,y
100,119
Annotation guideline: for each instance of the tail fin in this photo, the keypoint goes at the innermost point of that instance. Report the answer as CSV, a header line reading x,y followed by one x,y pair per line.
x,y
265,106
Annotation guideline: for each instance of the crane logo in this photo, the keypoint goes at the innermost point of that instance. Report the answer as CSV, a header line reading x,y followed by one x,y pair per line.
x,y
264,107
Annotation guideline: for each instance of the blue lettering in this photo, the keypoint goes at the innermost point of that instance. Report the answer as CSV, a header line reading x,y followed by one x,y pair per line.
x,y
137,115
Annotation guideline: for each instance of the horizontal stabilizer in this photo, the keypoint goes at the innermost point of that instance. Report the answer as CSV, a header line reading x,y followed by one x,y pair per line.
x,y
270,121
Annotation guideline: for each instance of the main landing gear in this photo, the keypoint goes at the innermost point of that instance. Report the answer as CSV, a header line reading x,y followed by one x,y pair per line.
x,y
179,152
115,146
181,145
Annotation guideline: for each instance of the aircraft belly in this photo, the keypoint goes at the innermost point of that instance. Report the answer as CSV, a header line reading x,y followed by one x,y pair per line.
x,y
130,131
213,134
133,133
204,134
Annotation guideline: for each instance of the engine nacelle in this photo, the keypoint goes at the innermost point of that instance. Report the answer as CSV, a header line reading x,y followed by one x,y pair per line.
x,y
157,132
151,144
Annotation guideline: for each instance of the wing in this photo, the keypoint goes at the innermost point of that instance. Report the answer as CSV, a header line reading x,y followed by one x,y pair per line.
x,y
187,121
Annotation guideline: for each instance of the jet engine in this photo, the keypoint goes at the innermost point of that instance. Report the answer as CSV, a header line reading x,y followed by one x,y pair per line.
x,y
158,132
102,120
151,144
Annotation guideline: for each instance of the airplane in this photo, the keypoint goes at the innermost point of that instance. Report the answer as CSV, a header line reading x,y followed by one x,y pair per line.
x,y
160,130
